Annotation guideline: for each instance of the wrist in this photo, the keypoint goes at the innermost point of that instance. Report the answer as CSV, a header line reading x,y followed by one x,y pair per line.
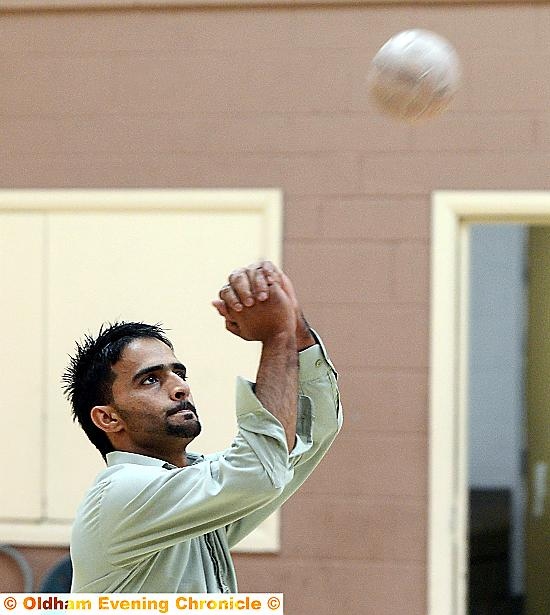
x,y
282,338
304,337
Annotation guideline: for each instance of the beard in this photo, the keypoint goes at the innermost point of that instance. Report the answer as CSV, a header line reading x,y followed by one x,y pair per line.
x,y
189,428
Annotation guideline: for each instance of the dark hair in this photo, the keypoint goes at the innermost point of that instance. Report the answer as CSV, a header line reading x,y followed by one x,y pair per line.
x,y
89,377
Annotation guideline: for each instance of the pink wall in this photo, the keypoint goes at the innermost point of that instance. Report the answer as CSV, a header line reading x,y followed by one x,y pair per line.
x,y
276,98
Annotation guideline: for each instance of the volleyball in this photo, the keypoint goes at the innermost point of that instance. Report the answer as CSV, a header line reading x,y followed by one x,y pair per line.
x,y
414,75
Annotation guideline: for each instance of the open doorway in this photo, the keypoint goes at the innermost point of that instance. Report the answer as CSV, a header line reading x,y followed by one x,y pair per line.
x,y
497,418
488,505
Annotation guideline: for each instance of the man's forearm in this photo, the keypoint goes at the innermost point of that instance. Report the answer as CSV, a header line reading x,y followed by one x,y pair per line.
x,y
277,381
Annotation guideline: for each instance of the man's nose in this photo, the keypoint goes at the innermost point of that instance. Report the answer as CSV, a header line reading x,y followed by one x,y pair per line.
x,y
179,389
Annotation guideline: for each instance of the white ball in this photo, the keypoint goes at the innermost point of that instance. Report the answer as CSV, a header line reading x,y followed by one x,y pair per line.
x,y
414,75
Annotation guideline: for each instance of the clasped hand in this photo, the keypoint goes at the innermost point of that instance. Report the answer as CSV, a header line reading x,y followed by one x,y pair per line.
x,y
258,302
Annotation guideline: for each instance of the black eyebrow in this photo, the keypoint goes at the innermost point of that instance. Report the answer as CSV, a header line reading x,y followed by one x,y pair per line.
x,y
158,368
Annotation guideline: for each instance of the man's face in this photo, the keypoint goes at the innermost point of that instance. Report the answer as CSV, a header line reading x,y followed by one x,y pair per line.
x,y
151,395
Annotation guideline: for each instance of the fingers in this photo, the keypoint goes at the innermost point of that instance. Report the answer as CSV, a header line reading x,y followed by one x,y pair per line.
x,y
271,272
248,285
259,284
242,283
230,299
221,307
230,324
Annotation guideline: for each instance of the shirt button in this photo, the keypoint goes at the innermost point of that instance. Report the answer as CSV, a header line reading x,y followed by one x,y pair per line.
x,y
318,363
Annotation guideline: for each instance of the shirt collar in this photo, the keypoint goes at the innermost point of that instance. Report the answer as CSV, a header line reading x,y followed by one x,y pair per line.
x,y
117,457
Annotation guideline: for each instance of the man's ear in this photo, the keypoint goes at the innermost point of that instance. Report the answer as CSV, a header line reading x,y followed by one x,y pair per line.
x,y
107,419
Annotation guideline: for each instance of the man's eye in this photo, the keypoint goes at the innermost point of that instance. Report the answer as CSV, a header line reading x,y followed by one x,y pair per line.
x,y
149,380
182,374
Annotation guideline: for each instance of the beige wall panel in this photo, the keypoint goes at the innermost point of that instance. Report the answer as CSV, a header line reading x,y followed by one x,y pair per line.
x,y
21,364
83,258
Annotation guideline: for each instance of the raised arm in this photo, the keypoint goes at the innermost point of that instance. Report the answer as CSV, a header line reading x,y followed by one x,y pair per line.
x,y
319,416
272,321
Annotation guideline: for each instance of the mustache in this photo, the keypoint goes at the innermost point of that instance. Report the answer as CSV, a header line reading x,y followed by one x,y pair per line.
x,y
182,407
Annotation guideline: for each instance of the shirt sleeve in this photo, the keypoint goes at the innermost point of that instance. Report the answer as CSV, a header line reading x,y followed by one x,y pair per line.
x,y
319,420
143,509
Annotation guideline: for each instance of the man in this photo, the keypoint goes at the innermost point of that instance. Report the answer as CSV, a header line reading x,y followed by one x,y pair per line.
x,y
159,518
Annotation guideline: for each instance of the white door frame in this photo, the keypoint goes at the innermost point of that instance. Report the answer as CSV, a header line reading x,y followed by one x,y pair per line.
x,y
452,215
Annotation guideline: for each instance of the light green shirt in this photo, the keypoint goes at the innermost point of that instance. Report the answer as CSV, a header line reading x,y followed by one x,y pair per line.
x,y
147,526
